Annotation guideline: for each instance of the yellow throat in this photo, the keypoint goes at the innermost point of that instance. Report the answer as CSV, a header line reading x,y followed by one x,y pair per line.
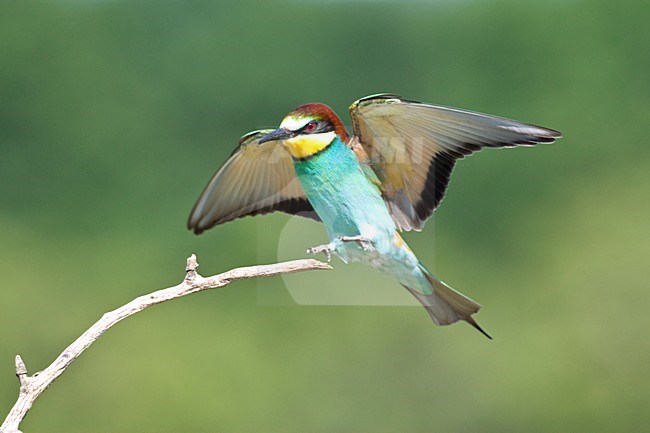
x,y
304,146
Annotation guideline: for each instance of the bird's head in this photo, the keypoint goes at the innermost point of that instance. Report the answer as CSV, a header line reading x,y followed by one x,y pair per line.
x,y
307,130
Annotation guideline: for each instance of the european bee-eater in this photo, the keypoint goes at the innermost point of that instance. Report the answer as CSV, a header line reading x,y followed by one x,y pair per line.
x,y
388,176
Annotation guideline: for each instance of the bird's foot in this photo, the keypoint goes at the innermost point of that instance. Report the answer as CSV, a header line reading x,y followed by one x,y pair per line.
x,y
328,249
363,242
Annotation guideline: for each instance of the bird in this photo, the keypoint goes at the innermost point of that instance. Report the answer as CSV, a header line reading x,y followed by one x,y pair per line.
x,y
386,177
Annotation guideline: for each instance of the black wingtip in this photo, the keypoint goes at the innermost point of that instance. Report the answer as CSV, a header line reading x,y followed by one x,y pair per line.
x,y
472,322
194,227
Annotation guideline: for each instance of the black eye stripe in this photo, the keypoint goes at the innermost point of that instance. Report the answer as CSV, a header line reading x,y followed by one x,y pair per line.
x,y
321,126
326,126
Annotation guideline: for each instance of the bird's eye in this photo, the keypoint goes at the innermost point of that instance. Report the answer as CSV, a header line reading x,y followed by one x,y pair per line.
x,y
310,127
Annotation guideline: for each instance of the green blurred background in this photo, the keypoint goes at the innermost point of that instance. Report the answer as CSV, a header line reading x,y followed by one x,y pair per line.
x,y
114,114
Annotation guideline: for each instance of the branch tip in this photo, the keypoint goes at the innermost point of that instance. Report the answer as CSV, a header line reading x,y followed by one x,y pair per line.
x,y
21,368
191,263
190,267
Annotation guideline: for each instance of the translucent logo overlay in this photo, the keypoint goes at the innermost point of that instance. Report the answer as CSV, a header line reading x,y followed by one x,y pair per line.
x,y
351,284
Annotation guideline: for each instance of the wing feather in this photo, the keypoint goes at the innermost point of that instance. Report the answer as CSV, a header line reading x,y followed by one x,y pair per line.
x,y
412,147
256,179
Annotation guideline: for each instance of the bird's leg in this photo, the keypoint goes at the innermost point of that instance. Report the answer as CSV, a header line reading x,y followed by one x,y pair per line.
x,y
362,241
328,249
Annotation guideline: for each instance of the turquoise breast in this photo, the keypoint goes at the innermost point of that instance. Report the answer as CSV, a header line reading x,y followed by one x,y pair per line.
x,y
342,196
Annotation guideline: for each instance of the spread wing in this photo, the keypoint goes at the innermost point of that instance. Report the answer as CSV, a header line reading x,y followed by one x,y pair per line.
x,y
413,146
256,179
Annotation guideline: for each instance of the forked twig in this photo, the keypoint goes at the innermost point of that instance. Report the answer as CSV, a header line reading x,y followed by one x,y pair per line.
x,y
32,386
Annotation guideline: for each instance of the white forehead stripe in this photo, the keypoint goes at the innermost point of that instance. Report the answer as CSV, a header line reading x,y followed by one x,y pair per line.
x,y
294,123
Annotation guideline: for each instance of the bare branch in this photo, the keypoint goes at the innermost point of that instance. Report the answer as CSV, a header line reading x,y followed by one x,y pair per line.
x,y
32,386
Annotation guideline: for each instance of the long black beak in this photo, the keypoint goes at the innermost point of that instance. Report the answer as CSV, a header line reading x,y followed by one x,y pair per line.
x,y
278,134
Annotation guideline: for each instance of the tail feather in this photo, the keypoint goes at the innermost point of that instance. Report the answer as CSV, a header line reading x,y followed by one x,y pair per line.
x,y
445,305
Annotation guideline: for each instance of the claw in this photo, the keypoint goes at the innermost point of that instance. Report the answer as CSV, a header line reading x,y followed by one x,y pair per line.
x,y
363,242
326,248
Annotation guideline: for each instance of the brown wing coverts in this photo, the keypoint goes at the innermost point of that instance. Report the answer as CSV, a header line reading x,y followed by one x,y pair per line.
x,y
413,146
256,179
